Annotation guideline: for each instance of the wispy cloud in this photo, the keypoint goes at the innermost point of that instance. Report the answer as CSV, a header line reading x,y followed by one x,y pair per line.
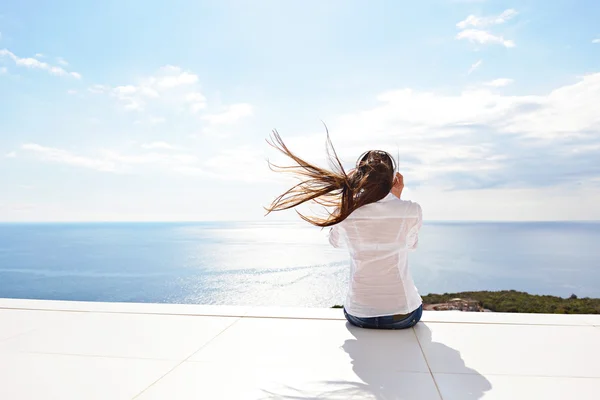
x,y
161,157
500,82
472,29
98,89
197,101
479,138
61,156
34,63
474,67
596,41
170,86
12,154
158,145
172,76
62,61
152,158
3,70
483,37
231,115
482,22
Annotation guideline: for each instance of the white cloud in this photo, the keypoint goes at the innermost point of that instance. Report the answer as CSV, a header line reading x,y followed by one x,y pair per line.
x,y
34,63
170,87
161,160
250,165
231,115
62,61
64,157
478,145
113,161
476,139
3,70
197,101
98,89
39,55
481,22
150,120
483,37
474,67
195,97
72,92
172,76
12,154
500,82
171,94
596,40
197,107
158,145
156,120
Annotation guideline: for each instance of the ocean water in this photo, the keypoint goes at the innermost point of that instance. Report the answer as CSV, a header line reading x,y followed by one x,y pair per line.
x,y
288,264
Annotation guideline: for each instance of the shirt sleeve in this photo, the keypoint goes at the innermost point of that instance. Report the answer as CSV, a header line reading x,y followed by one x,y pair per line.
x,y
334,237
412,239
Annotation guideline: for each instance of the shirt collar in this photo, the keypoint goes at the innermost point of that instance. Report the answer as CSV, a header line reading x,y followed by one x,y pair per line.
x,y
389,197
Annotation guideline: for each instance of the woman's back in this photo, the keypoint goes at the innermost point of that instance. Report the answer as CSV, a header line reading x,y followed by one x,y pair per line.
x,y
369,218
378,237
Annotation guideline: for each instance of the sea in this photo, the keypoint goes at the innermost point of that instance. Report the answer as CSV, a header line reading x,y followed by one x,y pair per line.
x,y
282,263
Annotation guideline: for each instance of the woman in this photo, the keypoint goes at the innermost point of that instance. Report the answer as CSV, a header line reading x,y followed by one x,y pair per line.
x,y
372,221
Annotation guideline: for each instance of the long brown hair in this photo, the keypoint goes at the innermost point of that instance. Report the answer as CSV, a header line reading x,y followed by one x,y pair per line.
x,y
370,181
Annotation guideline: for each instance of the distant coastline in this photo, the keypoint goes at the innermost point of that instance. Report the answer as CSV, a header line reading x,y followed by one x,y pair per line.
x,y
509,301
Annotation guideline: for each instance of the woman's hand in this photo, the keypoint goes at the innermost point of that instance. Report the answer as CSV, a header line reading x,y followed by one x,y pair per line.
x,y
398,185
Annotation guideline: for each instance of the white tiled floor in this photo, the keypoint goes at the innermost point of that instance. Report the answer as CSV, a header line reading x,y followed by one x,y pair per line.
x,y
127,308
195,380
572,351
129,351
297,313
16,322
166,337
503,387
43,376
289,342
509,318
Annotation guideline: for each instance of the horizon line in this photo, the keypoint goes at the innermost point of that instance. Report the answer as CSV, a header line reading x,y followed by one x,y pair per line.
x,y
280,221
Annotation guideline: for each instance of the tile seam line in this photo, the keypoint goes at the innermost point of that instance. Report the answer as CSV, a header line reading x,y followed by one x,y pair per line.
x,y
518,375
285,317
16,335
439,392
185,359
28,331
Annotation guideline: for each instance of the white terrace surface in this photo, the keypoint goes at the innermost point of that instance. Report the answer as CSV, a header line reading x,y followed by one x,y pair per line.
x,y
72,350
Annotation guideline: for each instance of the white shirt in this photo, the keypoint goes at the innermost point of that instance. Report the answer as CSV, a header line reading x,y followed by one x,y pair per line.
x,y
378,237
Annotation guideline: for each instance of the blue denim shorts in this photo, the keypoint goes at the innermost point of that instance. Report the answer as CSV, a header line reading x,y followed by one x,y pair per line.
x,y
388,321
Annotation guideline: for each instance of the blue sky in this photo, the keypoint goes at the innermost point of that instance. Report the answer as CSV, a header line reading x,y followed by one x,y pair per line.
x,y
146,110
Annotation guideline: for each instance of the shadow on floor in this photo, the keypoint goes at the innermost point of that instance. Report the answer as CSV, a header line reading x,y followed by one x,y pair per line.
x,y
382,367
383,382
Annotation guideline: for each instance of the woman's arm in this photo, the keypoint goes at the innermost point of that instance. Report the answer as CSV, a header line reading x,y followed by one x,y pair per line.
x,y
398,186
413,235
